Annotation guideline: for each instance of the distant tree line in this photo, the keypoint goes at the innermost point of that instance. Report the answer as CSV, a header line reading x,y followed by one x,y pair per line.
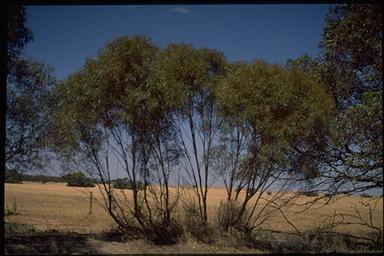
x,y
74,179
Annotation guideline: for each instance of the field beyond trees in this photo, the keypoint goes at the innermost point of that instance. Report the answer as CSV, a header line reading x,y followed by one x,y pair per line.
x,y
55,206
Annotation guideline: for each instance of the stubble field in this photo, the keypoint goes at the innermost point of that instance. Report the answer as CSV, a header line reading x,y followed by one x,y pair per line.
x,y
57,206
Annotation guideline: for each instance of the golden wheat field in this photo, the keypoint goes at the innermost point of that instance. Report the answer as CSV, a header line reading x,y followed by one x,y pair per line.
x,y
56,206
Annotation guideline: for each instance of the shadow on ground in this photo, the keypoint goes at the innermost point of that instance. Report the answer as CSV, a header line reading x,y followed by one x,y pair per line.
x,y
47,243
22,239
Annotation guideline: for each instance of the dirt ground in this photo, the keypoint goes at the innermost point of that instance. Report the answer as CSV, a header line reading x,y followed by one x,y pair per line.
x,y
71,243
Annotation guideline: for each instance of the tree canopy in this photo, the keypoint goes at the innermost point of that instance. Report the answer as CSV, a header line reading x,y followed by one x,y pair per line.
x,y
350,68
28,85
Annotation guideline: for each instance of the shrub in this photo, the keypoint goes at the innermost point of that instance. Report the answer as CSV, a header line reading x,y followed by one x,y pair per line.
x,y
125,184
291,245
202,232
324,242
122,184
227,214
78,179
366,195
309,193
163,233
13,176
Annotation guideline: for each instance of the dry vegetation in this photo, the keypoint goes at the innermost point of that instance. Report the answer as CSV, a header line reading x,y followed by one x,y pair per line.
x,y
56,206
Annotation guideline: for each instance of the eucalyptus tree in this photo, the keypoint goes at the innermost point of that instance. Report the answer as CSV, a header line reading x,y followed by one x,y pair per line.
x,y
349,152
352,46
195,72
268,112
350,67
116,106
352,43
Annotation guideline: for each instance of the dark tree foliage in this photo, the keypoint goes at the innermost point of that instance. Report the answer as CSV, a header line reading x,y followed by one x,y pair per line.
x,y
28,85
349,150
42,178
125,183
18,34
352,51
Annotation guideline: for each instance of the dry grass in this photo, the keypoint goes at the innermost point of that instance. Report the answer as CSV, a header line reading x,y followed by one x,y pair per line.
x,y
56,206
187,247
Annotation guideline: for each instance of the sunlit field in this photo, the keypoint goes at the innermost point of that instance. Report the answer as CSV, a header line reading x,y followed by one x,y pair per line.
x,y
59,207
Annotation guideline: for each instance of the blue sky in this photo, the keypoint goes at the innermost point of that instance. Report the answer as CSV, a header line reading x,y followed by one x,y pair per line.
x,y
64,36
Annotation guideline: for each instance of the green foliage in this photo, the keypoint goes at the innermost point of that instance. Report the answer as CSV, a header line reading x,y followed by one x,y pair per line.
x,y
352,42
362,124
137,101
192,72
351,60
78,179
272,99
278,106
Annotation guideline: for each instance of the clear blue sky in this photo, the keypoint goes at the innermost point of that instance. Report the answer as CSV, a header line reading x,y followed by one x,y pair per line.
x,y
64,36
